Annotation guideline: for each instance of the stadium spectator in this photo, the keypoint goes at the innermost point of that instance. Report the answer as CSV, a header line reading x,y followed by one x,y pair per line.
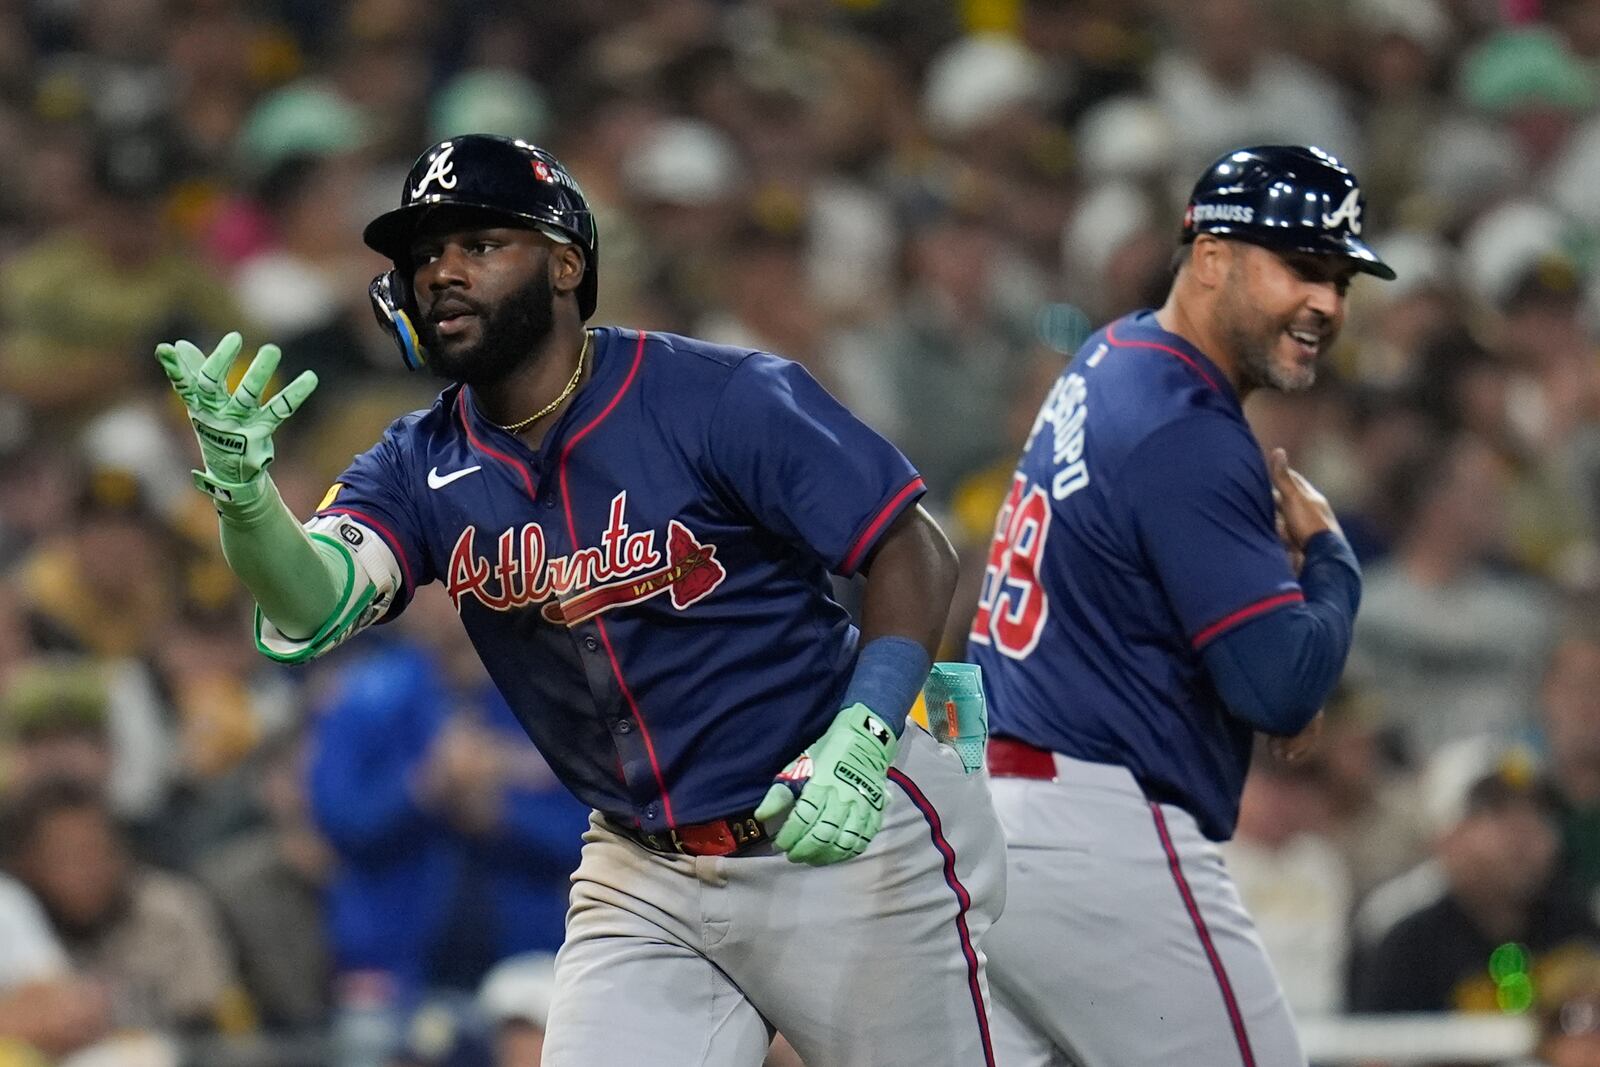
x,y
1293,878
93,721
1568,1012
268,887
1456,643
454,841
103,584
1373,805
82,301
1499,911
149,935
43,1005
1570,700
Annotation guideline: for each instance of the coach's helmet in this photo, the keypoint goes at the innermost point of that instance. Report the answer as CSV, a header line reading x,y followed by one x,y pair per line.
x,y
1289,198
502,175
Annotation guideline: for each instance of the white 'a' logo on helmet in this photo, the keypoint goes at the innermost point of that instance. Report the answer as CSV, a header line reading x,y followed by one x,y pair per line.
x,y
1348,212
440,170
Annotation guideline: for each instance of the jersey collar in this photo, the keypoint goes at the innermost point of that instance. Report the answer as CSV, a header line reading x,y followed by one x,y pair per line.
x,y
593,395
1142,329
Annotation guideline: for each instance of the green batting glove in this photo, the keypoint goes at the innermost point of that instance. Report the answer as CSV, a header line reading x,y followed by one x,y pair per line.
x,y
235,432
837,788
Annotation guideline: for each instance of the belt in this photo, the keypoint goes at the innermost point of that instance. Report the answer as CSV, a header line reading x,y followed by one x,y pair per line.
x,y
715,837
1010,758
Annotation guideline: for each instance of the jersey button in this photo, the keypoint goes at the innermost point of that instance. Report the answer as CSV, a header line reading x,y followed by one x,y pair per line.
x,y
590,643
650,811
624,726
549,501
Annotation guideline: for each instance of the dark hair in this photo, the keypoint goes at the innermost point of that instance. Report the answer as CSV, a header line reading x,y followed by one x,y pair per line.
x,y
28,810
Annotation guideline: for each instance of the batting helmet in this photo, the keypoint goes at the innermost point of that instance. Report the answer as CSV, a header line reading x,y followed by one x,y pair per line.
x,y
506,177
1289,198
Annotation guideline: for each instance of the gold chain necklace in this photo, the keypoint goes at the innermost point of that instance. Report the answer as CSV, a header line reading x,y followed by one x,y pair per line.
x,y
572,383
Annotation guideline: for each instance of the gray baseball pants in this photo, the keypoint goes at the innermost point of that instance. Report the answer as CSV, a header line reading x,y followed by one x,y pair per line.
x,y
677,961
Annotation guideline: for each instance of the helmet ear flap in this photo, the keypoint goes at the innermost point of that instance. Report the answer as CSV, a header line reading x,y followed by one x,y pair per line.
x,y
393,307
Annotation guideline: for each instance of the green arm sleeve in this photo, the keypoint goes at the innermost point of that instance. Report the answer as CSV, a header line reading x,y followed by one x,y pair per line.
x,y
298,582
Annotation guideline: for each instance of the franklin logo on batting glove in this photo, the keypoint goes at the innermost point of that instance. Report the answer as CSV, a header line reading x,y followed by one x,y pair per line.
x,y
826,822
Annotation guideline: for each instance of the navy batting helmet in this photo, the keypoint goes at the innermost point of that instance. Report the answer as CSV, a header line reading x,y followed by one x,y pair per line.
x,y
507,177
1289,198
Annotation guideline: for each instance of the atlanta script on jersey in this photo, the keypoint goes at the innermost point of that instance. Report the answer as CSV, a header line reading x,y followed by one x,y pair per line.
x,y
650,590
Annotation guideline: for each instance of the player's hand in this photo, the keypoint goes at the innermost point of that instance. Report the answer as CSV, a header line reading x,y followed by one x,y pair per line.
x,y
1306,512
837,789
1291,749
234,430
1297,558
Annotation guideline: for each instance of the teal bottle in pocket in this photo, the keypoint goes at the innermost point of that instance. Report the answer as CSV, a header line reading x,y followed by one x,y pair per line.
x,y
957,713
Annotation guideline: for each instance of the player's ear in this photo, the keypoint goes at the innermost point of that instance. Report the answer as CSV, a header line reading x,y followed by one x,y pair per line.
x,y
1210,259
566,268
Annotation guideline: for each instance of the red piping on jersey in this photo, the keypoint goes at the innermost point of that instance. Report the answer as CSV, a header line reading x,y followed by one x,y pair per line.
x,y
963,903
605,638
384,532
472,439
1249,611
1240,1035
859,549
1112,337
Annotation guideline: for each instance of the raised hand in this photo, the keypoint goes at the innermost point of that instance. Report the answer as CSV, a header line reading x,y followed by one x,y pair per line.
x,y
234,430
1304,510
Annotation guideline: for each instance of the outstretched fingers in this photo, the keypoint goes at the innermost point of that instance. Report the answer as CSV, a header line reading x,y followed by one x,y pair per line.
x,y
215,368
248,393
178,373
290,397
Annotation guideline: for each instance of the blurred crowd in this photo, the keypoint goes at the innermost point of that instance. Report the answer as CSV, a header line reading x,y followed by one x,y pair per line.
x,y
206,858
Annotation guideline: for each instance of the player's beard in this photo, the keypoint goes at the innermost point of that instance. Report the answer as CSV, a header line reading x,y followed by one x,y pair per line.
x,y
511,332
1255,338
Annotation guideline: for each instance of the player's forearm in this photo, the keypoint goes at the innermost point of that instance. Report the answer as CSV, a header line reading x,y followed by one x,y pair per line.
x,y
910,580
1276,671
1330,574
297,582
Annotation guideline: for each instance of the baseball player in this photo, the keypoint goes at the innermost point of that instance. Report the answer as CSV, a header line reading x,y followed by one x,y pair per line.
x,y
637,531
1140,622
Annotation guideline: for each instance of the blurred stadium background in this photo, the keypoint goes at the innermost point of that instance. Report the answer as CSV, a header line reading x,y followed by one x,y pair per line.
x,y
208,860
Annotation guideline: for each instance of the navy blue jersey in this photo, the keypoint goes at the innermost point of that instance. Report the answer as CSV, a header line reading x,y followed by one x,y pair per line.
x,y
650,590
1138,528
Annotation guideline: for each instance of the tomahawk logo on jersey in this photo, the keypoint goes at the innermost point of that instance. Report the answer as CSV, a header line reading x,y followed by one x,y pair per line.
x,y
1086,653
673,536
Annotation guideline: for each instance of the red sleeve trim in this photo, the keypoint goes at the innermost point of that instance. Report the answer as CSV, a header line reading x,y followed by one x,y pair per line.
x,y
858,551
1249,611
387,535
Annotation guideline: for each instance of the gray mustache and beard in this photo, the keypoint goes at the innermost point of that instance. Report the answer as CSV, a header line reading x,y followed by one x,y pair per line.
x,y
509,335
1255,336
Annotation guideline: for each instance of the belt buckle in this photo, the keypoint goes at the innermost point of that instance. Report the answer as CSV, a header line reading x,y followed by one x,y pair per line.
x,y
718,837
665,843
705,839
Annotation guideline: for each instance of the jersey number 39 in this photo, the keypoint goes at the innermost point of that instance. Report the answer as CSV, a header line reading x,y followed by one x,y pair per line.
x,y
1012,608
